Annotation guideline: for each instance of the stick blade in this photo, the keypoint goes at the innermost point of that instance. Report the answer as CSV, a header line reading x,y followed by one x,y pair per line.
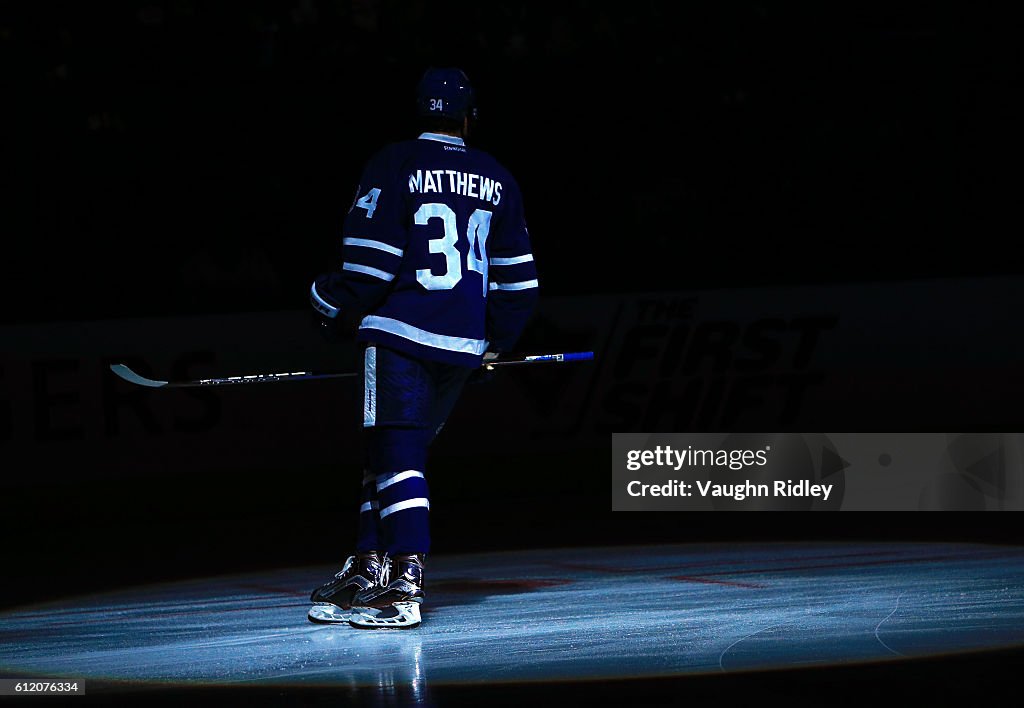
x,y
127,374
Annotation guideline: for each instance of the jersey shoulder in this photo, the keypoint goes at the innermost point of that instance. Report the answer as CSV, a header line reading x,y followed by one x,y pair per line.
x,y
398,160
487,160
392,156
402,157
488,164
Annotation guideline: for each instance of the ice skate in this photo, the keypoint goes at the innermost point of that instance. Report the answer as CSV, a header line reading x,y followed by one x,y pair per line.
x,y
332,602
395,602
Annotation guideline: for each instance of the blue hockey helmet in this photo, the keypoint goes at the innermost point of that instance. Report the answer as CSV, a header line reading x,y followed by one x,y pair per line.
x,y
447,93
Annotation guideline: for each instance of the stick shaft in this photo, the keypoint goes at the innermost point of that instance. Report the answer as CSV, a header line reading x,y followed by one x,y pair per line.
x,y
126,373
543,359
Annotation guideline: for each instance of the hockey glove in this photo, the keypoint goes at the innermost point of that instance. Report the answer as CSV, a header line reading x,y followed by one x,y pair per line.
x,y
486,372
329,329
326,318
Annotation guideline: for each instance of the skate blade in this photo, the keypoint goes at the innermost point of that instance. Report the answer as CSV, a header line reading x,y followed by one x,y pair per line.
x,y
326,613
401,615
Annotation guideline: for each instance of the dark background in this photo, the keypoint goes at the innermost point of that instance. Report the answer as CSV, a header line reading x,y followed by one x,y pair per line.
x,y
180,157
199,156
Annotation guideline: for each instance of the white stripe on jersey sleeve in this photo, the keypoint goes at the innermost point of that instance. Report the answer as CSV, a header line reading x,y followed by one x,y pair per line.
x,y
375,272
521,285
370,243
511,261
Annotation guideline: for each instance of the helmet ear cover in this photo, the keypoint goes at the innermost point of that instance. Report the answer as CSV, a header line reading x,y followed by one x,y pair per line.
x,y
445,93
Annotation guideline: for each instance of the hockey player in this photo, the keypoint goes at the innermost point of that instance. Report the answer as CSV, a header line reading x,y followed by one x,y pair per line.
x,y
438,273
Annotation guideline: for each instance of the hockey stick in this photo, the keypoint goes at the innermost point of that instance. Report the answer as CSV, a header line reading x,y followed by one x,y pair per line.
x,y
540,359
125,372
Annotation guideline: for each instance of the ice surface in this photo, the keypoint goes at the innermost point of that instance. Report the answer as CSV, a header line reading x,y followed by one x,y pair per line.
x,y
551,614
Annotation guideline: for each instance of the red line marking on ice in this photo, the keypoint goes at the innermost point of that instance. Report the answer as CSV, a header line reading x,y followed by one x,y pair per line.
x,y
157,614
694,579
269,589
795,563
861,564
456,585
598,568
588,566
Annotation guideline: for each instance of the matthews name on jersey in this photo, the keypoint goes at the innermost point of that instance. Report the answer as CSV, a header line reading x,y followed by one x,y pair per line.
x,y
436,258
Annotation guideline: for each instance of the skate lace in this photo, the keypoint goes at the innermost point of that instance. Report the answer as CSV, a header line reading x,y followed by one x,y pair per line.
x,y
348,564
385,571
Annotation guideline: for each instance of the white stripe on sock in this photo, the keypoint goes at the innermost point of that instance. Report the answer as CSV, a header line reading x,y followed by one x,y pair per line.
x,y
398,478
403,505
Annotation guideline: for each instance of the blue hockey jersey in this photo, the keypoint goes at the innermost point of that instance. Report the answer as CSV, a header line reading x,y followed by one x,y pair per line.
x,y
436,258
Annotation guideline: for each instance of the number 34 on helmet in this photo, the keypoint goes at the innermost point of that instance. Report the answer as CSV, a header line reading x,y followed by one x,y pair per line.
x,y
446,93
